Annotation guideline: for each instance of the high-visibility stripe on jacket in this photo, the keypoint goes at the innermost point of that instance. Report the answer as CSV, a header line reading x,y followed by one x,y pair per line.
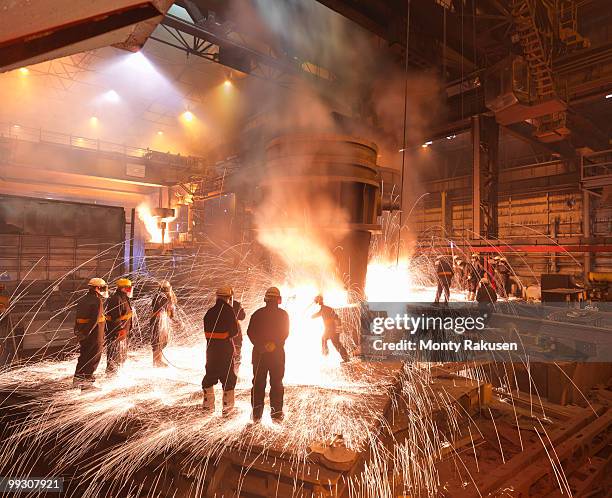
x,y
216,335
220,323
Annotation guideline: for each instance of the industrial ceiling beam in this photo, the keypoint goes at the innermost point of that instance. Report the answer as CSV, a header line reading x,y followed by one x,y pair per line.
x,y
36,31
198,32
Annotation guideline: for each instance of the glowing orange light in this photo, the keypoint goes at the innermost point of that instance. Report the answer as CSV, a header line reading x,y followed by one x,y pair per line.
x,y
227,83
160,132
188,116
93,121
24,70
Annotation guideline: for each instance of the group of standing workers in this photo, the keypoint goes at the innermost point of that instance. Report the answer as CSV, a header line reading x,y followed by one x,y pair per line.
x,y
483,281
268,330
98,324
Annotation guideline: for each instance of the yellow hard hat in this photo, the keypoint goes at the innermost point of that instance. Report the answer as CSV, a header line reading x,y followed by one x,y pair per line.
x,y
272,293
164,284
225,291
97,282
124,282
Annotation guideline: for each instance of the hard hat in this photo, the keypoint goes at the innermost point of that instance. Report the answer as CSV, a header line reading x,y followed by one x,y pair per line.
x,y
272,293
164,284
225,291
124,282
97,282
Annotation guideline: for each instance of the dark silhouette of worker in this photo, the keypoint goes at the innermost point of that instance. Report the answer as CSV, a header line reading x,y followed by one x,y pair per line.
x,y
268,330
502,277
237,339
220,327
162,309
486,295
444,273
89,330
8,343
118,325
475,272
330,333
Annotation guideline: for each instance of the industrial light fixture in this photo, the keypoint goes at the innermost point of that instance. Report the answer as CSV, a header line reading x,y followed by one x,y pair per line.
x,y
160,132
227,83
93,120
609,96
112,96
427,144
188,116
24,70
450,137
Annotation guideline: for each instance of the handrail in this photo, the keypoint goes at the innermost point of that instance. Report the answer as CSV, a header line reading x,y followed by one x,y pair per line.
x,y
30,134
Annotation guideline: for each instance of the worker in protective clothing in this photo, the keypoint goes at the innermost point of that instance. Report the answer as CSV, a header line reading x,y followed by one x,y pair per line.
x,y
444,273
8,342
118,325
220,327
461,272
268,330
475,273
485,295
502,277
89,330
330,333
237,339
162,310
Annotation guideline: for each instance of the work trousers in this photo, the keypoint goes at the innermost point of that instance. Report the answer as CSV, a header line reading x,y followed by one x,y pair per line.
x,y
220,366
335,340
90,352
443,288
159,331
116,353
264,364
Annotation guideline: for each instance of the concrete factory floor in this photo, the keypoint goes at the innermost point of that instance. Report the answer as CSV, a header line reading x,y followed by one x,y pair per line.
x,y
360,429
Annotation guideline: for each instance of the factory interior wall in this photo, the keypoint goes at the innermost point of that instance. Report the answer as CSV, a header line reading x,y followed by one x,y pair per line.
x,y
525,218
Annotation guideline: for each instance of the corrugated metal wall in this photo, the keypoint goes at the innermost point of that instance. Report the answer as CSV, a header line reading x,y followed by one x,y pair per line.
x,y
44,240
526,218
48,250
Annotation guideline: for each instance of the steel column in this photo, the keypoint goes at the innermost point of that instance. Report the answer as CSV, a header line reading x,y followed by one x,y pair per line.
x,y
485,176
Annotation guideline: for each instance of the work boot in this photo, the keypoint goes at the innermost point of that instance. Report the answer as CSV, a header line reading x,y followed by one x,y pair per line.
x,y
256,416
208,404
157,359
228,403
89,386
277,415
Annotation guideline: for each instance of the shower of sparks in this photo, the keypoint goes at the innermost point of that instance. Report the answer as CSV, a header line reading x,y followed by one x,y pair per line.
x,y
143,413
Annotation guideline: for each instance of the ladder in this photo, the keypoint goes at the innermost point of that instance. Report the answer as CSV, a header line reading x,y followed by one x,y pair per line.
x,y
537,53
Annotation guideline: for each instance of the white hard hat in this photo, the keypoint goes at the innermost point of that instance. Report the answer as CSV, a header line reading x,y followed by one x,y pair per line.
x,y
97,282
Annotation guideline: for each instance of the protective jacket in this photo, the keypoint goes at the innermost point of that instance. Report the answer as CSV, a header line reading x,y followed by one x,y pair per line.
x,y
330,319
90,318
118,316
220,323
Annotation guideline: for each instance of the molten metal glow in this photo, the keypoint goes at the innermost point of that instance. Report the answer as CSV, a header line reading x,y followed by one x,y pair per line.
x,y
153,224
